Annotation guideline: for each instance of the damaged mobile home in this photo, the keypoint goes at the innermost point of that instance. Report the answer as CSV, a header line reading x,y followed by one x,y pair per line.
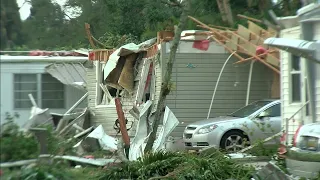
x,y
55,82
134,73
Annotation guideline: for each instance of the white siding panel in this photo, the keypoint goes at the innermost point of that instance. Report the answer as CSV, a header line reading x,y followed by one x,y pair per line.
x,y
287,108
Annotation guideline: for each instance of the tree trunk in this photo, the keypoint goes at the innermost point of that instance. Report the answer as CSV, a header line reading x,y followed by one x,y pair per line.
x,y
228,11
166,83
222,11
225,11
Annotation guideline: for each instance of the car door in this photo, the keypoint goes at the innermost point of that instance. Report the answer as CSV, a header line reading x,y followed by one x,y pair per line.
x,y
271,123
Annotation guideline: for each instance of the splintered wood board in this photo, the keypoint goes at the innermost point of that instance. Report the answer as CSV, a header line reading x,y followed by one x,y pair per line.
x,y
253,38
259,30
243,32
232,43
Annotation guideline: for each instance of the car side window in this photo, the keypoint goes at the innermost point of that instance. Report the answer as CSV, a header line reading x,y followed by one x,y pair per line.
x,y
274,111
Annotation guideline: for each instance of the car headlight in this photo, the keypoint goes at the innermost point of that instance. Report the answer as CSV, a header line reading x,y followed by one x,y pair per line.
x,y
207,129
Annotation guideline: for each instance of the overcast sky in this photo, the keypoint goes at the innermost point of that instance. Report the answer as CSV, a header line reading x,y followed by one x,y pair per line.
x,y
25,9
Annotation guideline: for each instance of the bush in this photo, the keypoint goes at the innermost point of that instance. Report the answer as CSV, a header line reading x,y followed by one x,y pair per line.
x,y
171,165
14,145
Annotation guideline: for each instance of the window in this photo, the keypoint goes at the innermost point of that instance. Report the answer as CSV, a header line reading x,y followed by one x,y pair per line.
x,y
52,92
249,109
295,73
274,111
24,84
47,91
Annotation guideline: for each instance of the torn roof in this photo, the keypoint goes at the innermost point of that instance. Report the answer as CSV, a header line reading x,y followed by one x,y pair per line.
x,y
73,74
124,51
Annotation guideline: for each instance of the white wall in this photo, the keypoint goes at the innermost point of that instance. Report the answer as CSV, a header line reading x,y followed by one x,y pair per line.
x,y
7,91
288,108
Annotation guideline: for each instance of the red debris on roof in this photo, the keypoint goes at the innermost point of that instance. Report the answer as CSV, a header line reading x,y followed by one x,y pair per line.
x,y
54,53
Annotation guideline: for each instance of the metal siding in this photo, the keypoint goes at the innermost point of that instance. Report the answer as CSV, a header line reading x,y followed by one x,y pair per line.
x,y
190,99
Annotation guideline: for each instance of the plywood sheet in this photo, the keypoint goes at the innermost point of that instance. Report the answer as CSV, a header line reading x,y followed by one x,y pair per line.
x,y
126,79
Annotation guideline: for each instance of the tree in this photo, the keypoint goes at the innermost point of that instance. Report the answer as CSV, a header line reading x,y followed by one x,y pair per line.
x,y
166,84
44,27
10,24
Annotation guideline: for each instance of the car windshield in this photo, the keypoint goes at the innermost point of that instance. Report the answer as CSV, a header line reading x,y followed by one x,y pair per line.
x,y
248,110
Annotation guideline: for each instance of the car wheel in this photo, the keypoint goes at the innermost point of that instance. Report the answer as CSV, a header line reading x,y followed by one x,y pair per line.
x,y
233,141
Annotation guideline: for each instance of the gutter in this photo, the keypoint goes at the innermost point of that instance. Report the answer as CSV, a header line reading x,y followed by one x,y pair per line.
x,y
306,49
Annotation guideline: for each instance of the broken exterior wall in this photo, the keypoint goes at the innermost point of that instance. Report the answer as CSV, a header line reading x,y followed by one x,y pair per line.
x,y
106,115
195,74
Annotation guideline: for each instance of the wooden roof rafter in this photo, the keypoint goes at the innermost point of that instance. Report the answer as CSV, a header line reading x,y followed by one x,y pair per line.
x,y
245,41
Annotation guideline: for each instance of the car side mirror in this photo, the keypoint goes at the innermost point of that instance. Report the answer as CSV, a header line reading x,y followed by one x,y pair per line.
x,y
263,115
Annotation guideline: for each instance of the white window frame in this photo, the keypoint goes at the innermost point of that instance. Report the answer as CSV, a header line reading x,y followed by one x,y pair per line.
x,y
38,98
100,88
304,89
291,73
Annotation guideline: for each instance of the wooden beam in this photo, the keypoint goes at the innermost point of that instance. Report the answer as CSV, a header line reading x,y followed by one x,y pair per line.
x,y
258,58
252,49
223,36
215,39
249,18
251,58
222,27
